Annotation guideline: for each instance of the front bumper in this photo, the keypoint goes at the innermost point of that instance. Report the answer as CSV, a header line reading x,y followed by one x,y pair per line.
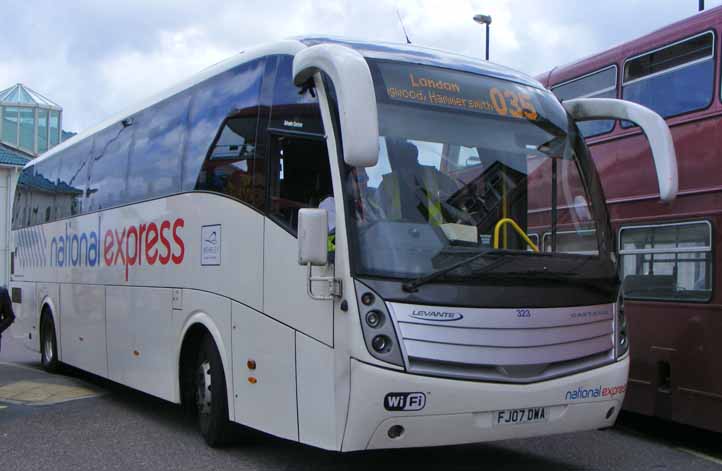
x,y
458,411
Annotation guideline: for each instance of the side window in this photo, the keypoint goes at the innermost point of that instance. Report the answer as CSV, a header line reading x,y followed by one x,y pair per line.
x,y
601,84
672,80
72,179
233,167
42,130
43,186
293,109
220,150
299,165
54,127
300,178
21,205
155,161
109,167
667,262
581,242
10,125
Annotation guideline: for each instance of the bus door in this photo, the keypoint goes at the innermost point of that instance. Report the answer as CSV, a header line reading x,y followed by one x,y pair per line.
x,y
300,177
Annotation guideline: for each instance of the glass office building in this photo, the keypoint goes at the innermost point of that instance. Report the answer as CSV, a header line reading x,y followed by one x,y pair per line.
x,y
28,120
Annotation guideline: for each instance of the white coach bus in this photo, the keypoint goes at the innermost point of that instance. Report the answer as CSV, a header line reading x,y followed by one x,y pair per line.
x,y
346,244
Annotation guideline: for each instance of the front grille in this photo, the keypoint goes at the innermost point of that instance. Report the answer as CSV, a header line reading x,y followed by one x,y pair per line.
x,y
504,345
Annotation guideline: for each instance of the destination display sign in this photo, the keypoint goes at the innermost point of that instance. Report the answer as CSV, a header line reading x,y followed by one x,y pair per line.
x,y
437,87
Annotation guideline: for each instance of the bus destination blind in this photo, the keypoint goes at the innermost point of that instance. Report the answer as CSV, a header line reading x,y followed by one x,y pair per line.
x,y
458,90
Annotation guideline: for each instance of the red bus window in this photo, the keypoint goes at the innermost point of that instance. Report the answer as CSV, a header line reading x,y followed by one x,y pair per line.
x,y
667,261
600,84
676,79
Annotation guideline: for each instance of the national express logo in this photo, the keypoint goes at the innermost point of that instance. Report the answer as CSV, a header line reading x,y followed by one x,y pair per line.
x,y
145,244
594,392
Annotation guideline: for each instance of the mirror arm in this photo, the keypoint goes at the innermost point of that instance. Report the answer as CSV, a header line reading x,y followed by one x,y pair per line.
x,y
351,77
653,125
334,286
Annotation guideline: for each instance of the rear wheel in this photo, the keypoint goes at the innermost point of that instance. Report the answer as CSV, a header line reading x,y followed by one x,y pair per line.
x,y
48,344
211,400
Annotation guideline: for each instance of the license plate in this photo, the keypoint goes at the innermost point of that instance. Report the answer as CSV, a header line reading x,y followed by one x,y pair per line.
x,y
521,416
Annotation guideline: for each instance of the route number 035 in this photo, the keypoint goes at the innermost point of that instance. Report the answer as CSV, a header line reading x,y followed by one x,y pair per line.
x,y
509,103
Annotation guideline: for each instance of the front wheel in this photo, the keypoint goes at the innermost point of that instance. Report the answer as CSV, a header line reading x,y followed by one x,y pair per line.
x,y
211,398
48,344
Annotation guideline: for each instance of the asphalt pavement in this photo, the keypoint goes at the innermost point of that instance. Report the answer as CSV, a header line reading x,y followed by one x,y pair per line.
x,y
116,428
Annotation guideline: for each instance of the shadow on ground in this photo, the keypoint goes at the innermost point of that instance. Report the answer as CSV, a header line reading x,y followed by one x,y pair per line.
x,y
677,435
275,453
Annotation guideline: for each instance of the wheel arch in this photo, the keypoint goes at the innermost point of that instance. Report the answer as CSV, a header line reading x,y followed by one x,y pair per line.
x,y
195,326
47,304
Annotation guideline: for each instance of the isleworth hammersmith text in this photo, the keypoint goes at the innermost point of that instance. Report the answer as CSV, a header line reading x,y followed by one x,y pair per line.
x,y
430,91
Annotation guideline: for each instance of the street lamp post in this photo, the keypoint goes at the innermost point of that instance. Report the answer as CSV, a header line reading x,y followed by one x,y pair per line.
x,y
484,20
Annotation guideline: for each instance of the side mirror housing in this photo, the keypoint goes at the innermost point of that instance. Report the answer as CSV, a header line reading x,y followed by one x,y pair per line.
x,y
354,87
312,236
653,125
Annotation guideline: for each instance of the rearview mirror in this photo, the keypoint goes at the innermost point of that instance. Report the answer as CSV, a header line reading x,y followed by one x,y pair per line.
x,y
354,88
312,236
653,125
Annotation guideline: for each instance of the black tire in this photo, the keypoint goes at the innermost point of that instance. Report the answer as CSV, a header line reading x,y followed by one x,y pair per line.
x,y
211,400
48,344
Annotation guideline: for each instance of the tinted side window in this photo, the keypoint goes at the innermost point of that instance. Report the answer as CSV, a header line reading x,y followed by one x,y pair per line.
x,y
667,262
300,178
602,84
155,158
673,80
233,94
42,183
21,204
109,167
72,179
233,167
293,109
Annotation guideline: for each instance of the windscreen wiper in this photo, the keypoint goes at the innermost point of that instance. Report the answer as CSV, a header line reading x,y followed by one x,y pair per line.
x,y
412,286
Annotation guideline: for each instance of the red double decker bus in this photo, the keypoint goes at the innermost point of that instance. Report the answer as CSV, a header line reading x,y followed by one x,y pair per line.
x,y
667,251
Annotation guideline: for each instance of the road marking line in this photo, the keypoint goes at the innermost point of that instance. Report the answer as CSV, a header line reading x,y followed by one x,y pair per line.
x,y
37,393
3,407
17,365
699,454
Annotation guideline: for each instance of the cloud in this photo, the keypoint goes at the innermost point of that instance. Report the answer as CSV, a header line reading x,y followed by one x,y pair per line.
x,y
96,58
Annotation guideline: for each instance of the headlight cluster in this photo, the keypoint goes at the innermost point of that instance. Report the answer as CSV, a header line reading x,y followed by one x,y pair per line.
x,y
377,326
621,331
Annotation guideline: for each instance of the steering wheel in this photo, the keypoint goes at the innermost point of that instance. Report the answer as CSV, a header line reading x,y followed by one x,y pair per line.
x,y
459,214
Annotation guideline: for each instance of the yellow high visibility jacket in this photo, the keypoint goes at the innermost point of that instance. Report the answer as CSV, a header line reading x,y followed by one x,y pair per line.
x,y
391,188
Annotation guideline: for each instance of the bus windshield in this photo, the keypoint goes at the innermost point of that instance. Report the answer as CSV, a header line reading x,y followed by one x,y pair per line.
x,y
468,166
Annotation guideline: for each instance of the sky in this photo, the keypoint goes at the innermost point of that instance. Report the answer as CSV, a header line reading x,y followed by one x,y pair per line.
x,y
96,58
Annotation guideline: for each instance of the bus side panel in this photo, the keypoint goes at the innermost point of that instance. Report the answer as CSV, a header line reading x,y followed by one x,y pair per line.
x,y
284,287
266,394
161,243
316,399
82,327
141,344
26,327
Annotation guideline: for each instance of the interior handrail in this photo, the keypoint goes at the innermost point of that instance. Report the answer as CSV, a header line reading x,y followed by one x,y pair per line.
x,y
502,222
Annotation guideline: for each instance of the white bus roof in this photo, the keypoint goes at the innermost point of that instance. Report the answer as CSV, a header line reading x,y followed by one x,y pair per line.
x,y
374,50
